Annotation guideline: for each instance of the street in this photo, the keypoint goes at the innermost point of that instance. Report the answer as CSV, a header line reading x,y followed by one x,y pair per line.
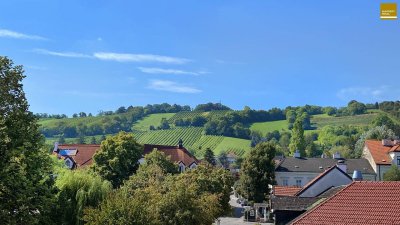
x,y
237,218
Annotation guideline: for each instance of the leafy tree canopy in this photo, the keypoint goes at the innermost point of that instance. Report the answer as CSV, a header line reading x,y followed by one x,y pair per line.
x,y
152,197
117,158
393,174
209,157
25,184
257,172
78,189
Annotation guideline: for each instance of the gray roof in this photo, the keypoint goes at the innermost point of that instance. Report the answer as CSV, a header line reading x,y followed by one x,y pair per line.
x,y
291,203
296,203
319,165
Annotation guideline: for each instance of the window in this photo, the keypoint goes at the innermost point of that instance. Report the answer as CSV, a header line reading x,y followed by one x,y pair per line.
x,y
181,168
398,160
285,182
298,182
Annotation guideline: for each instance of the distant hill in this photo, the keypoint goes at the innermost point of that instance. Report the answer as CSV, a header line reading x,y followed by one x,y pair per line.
x,y
220,130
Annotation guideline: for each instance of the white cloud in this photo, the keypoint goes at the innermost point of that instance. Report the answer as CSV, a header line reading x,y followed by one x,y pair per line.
x,y
378,93
17,35
153,70
171,86
62,54
122,57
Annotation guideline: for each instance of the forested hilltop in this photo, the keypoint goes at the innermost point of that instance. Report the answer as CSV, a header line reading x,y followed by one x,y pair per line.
x,y
218,127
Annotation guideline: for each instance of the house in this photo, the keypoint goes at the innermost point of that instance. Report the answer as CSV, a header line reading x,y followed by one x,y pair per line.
x,y
81,155
361,202
332,177
178,154
298,171
76,155
286,202
382,155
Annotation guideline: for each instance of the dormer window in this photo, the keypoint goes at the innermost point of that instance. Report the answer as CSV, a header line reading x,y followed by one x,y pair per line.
x,y
69,163
181,167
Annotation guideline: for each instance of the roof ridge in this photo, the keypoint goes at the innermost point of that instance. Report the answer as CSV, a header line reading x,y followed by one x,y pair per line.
x,y
321,175
322,203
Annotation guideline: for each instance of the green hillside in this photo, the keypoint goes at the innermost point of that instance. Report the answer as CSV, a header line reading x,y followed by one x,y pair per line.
x,y
171,136
151,120
192,114
194,136
237,145
322,120
265,127
317,121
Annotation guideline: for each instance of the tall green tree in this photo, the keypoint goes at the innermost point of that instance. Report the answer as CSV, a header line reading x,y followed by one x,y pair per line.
x,y
78,189
393,174
160,159
209,157
356,108
223,159
93,140
257,172
384,120
152,197
297,141
25,185
117,158
61,139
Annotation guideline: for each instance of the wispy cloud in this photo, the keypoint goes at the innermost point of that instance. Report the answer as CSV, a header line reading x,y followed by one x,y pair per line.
x,y
62,54
122,57
17,35
171,86
221,61
118,57
153,70
369,93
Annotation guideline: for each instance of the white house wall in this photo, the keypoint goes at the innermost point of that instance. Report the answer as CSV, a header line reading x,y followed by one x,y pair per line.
x,y
291,177
367,155
332,179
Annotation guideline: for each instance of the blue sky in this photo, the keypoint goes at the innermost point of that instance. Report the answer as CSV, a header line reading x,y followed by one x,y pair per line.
x,y
98,55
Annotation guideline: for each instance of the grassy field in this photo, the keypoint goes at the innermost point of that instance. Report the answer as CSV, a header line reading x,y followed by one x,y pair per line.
x,y
322,120
51,141
265,127
151,120
191,115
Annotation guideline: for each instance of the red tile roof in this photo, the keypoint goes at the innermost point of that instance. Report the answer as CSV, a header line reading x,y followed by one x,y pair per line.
x,y
285,190
177,154
84,154
379,152
361,202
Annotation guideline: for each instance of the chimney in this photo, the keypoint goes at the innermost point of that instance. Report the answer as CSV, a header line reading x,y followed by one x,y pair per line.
x,y
387,142
55,147
336,155
297,154
180,143
357,175
342,165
